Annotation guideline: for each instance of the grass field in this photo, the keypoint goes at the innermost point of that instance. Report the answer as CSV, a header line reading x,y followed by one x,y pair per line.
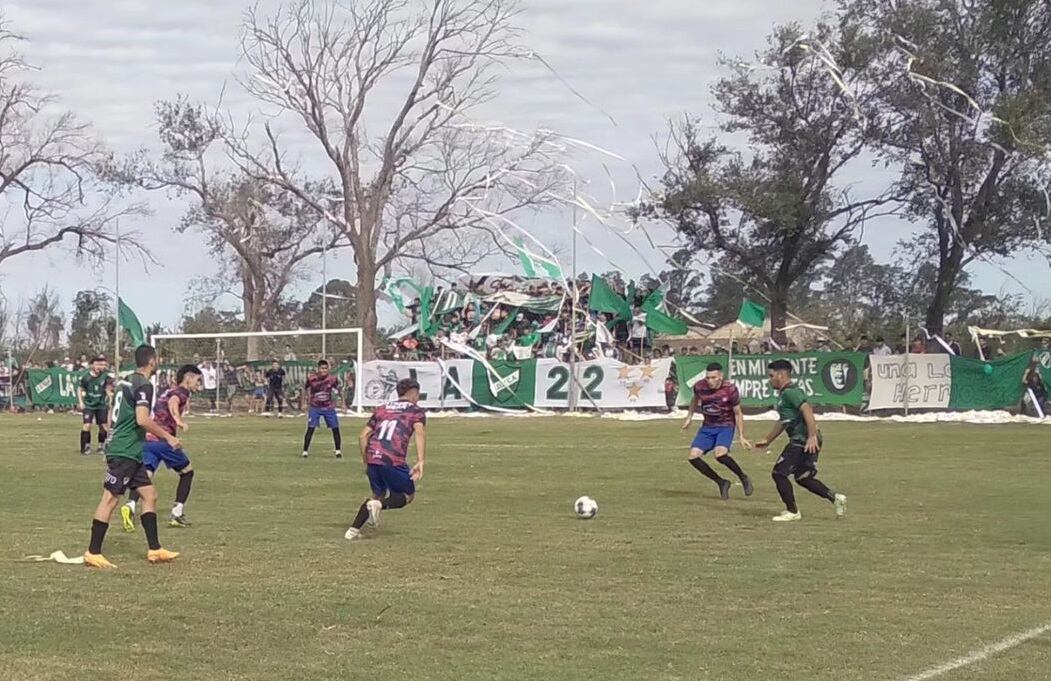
x,y
946,548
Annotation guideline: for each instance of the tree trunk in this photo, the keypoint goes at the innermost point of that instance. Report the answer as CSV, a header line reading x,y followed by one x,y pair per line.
x,y
948,272
779,317
366,306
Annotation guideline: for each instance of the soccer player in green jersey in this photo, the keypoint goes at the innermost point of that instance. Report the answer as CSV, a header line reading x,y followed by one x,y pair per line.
x,y
124,467
93,396
799,457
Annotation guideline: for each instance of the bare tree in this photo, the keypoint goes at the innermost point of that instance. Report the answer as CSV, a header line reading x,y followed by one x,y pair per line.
x,y
44,322
431,186
264,235
48,160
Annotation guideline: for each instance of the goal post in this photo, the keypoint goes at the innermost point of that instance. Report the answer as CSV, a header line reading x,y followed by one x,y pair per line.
x,y
210,346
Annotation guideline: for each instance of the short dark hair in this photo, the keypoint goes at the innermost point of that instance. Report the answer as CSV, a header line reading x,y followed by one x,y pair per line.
x,y
144,354
780,365
714,366
879,339
98,358
407,384
186,369
322,363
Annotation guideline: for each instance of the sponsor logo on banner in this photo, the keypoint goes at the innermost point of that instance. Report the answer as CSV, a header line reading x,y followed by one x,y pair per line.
x,y
840,377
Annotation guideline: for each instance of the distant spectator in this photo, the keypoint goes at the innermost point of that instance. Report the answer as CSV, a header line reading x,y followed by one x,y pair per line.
x,y
918,346
210,380
881,349
1034,383
823,346
864,345
954,347
290,356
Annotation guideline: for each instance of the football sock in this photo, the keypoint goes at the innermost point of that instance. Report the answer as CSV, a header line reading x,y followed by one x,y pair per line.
x,y
85,439
706,470
149,526
729,462
102,435
337,439
307,437
98,533
361,517
394,501
817,487
784,489
182,492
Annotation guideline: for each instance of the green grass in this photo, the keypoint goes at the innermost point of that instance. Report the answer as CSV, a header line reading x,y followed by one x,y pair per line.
x,y
946,548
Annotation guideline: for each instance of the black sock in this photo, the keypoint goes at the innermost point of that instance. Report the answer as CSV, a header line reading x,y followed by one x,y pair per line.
x,y
817,487
85,439
102,435
307,437
182,492
706,470
784,489
361,517
394,501
149,526
134,495
729,462
98,533
337,439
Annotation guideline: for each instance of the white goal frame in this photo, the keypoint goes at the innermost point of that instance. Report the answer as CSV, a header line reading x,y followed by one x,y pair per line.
x,y
358,362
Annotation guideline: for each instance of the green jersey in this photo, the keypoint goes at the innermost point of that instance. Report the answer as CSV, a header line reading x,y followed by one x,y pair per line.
x,y
789,412
127,436
94,388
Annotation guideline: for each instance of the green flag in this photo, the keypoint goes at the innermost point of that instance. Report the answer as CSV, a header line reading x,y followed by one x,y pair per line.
x,y
605,299
130,323
987,385
752,314
506,324
536,265
427,326
657,319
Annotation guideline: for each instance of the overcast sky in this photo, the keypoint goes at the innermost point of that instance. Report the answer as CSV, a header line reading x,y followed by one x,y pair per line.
x,y
641,61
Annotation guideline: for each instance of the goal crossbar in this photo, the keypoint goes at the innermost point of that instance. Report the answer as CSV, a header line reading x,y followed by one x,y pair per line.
x,y
269,334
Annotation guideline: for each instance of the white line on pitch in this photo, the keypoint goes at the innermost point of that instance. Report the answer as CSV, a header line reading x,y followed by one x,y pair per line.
x,y
981,653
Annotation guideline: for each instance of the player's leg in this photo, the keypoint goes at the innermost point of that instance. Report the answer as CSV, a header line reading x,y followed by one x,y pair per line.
x,y
806,477
368,512
177,461
332,421
101,417
313,421
723,441
114,484
269,400
784,467
148,518
280,396
85,432
704,442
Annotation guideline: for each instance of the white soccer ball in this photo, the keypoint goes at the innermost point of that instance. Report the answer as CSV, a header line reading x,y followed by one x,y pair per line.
x,y
586,508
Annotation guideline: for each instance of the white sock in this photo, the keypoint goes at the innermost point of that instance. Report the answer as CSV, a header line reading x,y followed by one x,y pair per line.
x,y
338,452
131,505
177,509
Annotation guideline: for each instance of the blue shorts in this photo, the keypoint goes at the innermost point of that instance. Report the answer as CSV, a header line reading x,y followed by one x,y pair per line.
x,y
395,479
314,416
153,453
710,437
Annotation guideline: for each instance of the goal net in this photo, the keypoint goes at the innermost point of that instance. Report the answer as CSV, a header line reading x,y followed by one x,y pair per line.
x,y
234,366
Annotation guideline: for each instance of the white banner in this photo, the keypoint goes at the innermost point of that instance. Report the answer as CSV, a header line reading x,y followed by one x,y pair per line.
x,y
926,379
380,379
604,382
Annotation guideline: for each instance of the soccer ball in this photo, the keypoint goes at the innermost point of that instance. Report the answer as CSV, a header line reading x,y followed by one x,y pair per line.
x,y
585,507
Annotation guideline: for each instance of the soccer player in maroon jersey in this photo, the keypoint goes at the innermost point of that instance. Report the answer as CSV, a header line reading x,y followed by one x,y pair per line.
x,y
385,450
167,413
320,391
720,402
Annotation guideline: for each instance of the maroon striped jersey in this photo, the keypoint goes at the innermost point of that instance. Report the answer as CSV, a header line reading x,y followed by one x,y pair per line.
x,y
162,414
717,404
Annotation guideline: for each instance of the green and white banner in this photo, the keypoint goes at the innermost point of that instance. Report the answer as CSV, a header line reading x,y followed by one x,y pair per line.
x,y
828,378
942,381
54,386
601,383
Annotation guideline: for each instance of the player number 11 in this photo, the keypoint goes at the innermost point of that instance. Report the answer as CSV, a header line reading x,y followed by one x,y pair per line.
x,y
386,429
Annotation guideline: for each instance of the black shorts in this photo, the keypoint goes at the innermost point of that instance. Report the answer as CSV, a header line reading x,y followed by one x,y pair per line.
x,y
123,474
796,462
100,416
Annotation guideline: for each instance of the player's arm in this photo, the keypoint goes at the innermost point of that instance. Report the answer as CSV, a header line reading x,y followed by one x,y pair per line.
x,y
80,398
807,411
146,422
689,413
173,407
363,443
739,421
419,431
774,433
